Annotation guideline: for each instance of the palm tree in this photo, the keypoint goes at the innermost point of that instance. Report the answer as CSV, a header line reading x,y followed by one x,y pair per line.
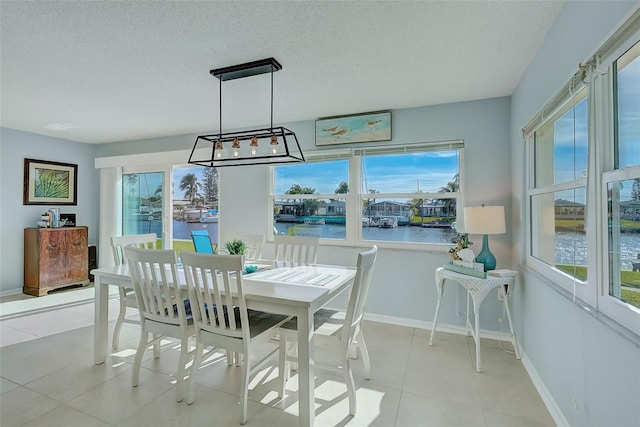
x,y
416,208
132,179
190,185
343,188
451,187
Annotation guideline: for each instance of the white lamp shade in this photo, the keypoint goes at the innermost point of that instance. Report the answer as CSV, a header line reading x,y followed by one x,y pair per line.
x,y
484,220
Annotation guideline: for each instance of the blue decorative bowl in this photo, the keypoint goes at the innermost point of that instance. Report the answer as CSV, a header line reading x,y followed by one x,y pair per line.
x,y
250,269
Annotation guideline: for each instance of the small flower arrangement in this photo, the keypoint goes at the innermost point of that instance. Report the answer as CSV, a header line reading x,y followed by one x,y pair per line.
x,y
462,242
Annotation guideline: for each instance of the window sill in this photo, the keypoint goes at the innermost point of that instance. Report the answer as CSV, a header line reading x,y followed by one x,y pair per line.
x,y
618,328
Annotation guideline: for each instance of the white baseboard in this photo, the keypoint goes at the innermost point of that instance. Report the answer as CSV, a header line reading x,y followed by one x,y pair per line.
x,y
10,292
550,403
452,329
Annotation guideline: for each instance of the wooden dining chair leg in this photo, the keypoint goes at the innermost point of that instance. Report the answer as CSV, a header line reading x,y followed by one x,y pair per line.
x,y
182,368
351,386
195,370
244,390
283,365
156,346
353,351
364,353
137,360
119,321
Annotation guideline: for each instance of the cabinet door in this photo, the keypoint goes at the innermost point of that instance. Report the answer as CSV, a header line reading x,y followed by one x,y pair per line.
x,y
77,254
52,257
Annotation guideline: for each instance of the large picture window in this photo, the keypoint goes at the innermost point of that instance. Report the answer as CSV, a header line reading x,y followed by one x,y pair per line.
x,y
583,196
393,195
416,192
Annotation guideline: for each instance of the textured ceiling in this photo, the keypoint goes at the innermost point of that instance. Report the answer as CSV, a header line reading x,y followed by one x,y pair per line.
x,y
115,71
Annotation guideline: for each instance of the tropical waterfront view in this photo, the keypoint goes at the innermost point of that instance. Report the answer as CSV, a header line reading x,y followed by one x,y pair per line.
x,y
629,242
300,210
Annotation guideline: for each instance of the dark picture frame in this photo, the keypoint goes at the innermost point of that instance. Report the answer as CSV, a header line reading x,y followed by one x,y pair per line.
x,y
50,183
354,128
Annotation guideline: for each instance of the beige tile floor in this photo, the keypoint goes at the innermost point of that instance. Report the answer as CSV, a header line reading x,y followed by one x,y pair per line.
x,y
48,379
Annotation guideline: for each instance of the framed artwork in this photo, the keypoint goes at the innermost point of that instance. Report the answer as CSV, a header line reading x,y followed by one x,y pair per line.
x,y
365,127
50,183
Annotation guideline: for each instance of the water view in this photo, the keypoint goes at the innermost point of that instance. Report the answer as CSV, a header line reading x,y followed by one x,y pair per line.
x,y
629,242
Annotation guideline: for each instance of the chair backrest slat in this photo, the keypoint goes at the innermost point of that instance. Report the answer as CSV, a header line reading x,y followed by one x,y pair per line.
x,y
359,293
146,241
295,250
155,278
214,281
254,244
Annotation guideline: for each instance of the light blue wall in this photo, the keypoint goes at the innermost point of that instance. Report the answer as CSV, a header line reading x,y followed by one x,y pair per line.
x,y
575,355
15,146
403,287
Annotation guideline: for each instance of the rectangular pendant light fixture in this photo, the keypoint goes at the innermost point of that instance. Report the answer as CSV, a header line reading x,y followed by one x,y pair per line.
x,y
272,145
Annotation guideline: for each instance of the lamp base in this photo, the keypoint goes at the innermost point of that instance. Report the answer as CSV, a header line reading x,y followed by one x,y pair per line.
x,y
485,256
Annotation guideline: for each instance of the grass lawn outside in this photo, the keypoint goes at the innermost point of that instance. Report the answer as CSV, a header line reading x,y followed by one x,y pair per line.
x,y
629,279
187,245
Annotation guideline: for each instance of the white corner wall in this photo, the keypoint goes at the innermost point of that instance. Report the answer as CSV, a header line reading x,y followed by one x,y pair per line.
x,y
403,289
588,371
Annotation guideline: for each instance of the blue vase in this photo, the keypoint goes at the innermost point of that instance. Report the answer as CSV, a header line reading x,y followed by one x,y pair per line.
x,y
485,256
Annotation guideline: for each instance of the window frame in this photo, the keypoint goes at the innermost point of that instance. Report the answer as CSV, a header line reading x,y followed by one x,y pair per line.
x,y
599,70
615,308
353,220
568,282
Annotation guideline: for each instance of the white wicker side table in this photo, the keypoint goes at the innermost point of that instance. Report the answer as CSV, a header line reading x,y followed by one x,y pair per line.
x,y
477,289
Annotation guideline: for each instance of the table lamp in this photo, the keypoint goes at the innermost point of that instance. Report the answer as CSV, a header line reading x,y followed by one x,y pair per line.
x,y
485,220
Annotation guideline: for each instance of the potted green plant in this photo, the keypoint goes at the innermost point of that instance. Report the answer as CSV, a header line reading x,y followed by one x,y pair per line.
x,y
236,247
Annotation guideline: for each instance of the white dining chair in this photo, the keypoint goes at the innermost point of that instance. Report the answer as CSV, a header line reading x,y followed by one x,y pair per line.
x,y
127,295
254,243
338,330
296,250
164,309
221,315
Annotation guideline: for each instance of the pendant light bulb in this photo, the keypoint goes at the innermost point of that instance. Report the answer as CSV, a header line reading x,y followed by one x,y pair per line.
x,y
253,144
235,145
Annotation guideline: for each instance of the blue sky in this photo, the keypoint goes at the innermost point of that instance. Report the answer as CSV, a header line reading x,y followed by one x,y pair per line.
x,y
403,173
570,134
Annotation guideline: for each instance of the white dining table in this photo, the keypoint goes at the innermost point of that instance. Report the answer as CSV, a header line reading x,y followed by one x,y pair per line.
x,y
294,290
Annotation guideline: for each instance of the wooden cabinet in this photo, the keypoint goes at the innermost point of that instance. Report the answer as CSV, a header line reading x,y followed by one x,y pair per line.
x,y
54,258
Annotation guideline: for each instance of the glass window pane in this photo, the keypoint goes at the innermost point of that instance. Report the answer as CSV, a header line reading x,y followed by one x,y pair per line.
x,y
325,218
561,146
427,172
142,203
195,204
628,108
557,231
329,177
624,240
409,220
